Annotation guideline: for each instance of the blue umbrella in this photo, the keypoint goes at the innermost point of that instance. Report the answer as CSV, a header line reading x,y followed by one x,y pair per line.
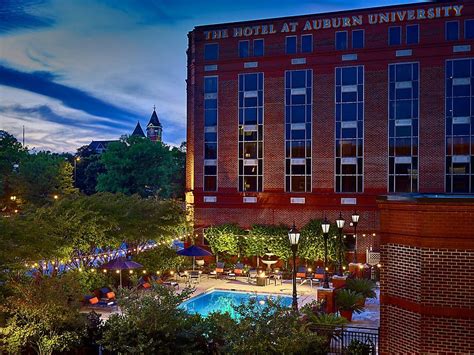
x,y
121,264
193,251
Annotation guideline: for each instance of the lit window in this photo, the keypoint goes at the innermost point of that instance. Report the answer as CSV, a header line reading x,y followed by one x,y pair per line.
x,y
243,49
306,43
469,29
452,30
211,51
358,39
291,45
258,47
395,36
413,34
341,40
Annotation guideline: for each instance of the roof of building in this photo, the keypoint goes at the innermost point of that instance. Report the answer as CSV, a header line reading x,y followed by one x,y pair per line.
x,y
138,131
94,145
154,121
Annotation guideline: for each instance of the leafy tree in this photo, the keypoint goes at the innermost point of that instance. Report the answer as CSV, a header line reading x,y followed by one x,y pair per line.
x,y
150,323
88,170
140,166
311,246
264,239
161,258
42,315
224,239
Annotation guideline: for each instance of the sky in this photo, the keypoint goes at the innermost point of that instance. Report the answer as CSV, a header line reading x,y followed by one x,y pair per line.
x,y
72,71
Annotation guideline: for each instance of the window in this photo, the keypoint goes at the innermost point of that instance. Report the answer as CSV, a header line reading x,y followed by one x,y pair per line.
x,y
306,43
298,121
250,132
395,36
459,126
210,133
349,128
341,40
243,49
258,47
469,29
211,51
413,34
452,30
358,39
403,127
291,45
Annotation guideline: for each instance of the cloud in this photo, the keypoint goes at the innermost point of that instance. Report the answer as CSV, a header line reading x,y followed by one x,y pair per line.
x,y
17,15
42,82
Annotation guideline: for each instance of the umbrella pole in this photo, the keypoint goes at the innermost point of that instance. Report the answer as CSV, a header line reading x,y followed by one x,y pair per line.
x,y
194,261
120,278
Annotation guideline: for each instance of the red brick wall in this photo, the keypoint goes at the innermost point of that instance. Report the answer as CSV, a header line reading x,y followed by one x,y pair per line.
x,y
426,288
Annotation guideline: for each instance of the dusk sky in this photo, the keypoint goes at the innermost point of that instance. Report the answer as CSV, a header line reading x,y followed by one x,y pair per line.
x,y
72,71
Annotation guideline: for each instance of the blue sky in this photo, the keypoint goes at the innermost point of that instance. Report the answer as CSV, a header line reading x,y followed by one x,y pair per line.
x,y
76,70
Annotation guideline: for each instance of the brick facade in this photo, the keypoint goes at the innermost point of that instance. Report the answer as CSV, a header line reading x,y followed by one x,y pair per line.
x,y
427,303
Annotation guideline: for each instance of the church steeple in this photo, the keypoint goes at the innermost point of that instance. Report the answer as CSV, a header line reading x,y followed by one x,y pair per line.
x,y
138,131
154,129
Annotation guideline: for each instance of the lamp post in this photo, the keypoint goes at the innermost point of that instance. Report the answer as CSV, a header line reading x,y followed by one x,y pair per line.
x,y
340,226
294,236
325,227
355,220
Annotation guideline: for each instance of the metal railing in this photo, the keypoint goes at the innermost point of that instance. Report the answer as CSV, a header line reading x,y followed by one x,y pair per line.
x,y
350,340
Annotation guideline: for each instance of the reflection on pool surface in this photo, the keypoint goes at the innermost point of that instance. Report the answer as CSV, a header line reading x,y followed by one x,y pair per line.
x,y
222,301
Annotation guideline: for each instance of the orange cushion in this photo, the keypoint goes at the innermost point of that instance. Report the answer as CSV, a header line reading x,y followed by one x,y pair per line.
x,y
110,295
238,271
219,270
300,274
318,276
93,300
146,285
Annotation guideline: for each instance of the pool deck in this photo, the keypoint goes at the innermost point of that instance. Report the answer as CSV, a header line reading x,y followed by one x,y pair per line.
x,y
370,318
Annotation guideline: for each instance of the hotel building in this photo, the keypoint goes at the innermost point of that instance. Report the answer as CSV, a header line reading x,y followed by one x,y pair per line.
x,y
295,118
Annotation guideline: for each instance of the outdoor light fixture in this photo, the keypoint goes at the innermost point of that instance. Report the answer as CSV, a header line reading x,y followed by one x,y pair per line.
x,y
340,226
355,220
294,237
325,227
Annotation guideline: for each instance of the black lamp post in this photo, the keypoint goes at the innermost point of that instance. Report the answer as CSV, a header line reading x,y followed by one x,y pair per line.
x,y
340,226
355,220
294,236
325,227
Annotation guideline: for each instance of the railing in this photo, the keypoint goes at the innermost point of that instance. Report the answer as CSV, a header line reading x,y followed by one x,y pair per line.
x,y
350,340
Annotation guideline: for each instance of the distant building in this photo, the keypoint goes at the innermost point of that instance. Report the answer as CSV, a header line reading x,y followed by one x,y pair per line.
x,y
154,131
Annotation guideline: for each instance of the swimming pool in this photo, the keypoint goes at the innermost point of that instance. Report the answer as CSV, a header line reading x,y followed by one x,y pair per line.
x,y
223,301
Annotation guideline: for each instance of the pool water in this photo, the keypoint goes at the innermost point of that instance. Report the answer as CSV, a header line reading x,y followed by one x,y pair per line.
x,y
223,301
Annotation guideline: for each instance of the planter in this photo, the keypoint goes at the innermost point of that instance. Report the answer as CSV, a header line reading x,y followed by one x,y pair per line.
x,y
346,314
338,281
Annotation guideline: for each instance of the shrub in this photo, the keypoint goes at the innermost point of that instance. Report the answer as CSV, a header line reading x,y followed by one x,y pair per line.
x,y
363,286
348,300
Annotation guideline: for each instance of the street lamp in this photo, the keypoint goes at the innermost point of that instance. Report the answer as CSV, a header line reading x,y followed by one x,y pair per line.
x,y
355,220
294,236
325,227
340,226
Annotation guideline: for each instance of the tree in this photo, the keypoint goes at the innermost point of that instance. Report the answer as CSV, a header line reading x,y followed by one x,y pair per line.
x,y
162,258
224,239
89,168
312,242
43,315
140,166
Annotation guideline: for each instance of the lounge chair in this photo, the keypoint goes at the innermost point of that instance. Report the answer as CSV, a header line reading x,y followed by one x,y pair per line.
x,y
238,271
92,301
106,294
194,277
219,270
301,274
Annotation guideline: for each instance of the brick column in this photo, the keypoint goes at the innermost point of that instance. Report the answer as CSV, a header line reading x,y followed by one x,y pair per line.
x,y
426,293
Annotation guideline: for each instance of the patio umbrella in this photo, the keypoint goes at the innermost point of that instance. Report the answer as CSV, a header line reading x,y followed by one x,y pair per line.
x,y
121,264
193,251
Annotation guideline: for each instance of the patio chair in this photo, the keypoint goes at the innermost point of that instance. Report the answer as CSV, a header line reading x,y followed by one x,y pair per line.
x,y
252,275
301,274
107,294
238,271
194,277
219,270
277,276
92,301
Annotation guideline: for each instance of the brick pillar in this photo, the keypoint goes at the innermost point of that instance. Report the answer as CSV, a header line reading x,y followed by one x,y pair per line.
x,y
328,295
426,292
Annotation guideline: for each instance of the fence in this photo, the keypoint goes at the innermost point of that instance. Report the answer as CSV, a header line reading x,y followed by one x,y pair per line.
x,y
351,340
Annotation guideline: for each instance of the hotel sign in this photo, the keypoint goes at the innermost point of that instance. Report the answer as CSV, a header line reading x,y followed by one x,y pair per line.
x,y
396,16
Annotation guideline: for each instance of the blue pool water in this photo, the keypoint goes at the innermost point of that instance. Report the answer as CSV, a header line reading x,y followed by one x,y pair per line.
x,y
223,301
